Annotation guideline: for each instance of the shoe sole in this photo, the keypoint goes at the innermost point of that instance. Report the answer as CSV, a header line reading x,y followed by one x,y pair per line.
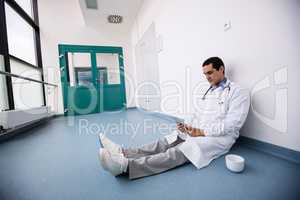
x,y
101,155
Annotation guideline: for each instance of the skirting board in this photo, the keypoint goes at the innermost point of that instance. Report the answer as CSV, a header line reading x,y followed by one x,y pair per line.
x,y
10,133
281,152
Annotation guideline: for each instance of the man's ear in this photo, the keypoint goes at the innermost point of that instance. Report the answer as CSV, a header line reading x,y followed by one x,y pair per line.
x,y
222,69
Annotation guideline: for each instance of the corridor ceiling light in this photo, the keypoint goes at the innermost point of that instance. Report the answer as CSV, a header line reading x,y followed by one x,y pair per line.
x,y
115,19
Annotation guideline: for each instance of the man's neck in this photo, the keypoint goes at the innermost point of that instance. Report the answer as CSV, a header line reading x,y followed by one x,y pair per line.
x,y
221,81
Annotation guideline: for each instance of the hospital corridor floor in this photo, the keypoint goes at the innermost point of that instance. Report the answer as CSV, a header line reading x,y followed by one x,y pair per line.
x,y
59,160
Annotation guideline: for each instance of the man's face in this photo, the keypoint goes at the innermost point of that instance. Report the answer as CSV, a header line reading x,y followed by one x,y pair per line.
x,y
212,75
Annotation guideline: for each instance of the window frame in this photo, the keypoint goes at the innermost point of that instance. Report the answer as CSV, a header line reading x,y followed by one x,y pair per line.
x,y
4,49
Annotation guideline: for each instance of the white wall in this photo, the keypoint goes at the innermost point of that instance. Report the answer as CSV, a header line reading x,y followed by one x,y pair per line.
x,y
61,22
263,38
147,72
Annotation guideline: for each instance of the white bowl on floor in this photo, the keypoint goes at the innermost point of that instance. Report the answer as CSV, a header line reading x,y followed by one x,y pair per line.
x,y
235,163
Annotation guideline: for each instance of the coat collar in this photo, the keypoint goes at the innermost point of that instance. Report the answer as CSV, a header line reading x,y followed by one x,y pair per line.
x,y
222,84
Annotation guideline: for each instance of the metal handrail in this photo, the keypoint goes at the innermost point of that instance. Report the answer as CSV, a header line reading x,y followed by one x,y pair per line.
x,y
26,78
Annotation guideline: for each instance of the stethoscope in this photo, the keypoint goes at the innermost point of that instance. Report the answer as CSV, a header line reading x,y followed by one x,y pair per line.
x,y
220,102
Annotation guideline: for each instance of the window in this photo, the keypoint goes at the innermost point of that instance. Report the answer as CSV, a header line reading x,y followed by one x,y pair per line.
x,y
20,47
24,90
26,5
21,40
3,89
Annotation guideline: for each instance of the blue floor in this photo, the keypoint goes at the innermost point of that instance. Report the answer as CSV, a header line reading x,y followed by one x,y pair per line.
x,y
59,161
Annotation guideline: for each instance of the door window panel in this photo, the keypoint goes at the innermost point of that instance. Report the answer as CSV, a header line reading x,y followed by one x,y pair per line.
x,y
79,66
110,61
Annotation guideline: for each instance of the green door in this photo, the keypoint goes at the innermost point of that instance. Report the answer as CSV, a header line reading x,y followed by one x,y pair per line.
x,y
92,79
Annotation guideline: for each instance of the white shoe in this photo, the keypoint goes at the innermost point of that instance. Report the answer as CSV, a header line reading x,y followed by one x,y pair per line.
x,y
112,147
116,164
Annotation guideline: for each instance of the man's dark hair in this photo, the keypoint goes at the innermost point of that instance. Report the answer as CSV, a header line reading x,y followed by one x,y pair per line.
x,y
215,61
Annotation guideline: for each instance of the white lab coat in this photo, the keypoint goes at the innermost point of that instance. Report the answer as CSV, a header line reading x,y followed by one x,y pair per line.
x,y
221,115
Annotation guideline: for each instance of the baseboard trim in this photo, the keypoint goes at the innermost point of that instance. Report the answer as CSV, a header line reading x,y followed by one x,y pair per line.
x,y
278,151
10,133
133,107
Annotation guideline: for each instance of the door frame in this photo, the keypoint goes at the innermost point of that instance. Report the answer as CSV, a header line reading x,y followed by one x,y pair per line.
x,y
63,49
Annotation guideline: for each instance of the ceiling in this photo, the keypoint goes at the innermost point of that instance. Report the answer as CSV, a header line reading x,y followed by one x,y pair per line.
x,y
128,9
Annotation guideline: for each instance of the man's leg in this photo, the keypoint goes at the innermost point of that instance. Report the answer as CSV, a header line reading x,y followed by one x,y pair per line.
x,y
159,146
157,163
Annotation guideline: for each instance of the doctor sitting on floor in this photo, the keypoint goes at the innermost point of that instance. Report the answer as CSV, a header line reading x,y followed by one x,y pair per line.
x,y
212,132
